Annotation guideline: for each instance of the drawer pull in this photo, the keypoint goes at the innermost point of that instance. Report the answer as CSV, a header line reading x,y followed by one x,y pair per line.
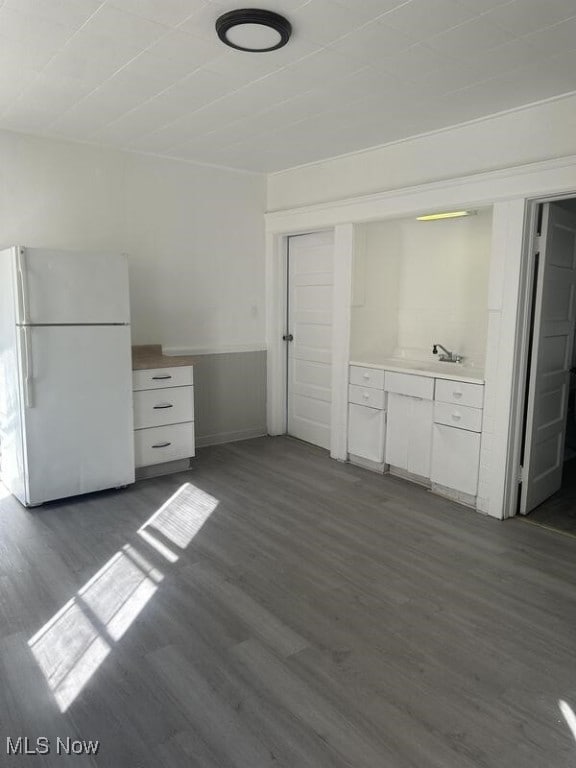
x,y
365,395
162,406
162,445
165,376
457,394
457,416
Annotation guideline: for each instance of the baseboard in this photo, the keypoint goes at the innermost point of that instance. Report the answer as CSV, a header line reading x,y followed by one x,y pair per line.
x,y
405,475
458,496
373,466
230,437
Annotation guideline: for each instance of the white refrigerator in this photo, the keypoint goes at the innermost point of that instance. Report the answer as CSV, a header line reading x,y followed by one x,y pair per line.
x,y
66,422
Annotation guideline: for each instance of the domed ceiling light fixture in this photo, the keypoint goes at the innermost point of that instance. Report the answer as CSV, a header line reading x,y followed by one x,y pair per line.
x,y
253,30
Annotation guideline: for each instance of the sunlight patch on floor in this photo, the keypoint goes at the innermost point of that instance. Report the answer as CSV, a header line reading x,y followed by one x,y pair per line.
x,y
70,647
181,517
569,716
119,591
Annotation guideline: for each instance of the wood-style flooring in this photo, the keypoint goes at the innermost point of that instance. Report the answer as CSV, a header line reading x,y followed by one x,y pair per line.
x,y
559,511
275,608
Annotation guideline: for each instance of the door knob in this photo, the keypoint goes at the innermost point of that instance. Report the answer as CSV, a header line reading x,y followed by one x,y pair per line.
x,y
288,337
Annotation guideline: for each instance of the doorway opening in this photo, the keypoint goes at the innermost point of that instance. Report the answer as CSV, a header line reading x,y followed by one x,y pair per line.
x,y
547,483
308,336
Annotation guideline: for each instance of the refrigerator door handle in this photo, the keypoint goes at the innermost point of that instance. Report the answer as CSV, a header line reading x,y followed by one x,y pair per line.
x,y
26,363
22,286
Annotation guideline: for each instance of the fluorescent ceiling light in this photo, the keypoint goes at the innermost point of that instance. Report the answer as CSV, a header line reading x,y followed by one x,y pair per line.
x,y
445,215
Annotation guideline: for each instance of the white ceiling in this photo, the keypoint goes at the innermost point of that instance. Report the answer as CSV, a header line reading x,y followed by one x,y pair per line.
x,y
151,75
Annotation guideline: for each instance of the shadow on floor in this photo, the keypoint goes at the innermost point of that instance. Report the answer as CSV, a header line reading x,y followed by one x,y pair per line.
x,y
559,511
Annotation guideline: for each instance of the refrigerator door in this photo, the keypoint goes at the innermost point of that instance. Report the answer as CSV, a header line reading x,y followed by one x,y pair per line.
x,y
79,422
71,287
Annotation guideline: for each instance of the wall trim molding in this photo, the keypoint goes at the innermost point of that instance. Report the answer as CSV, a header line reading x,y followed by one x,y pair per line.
x,y
230,437
484,188
224,349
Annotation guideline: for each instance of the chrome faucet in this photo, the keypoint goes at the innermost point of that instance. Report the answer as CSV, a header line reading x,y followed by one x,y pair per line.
x,y
447,357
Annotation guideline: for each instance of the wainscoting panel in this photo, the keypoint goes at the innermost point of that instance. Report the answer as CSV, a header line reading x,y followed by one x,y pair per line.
x,y
229,396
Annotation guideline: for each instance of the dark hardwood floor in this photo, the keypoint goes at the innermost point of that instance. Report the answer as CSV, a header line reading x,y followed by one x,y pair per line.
x,y
272,607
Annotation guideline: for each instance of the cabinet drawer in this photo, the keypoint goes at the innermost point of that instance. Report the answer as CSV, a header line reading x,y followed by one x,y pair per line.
x,y
154,408
455,459
155,378
463,393
367,377
460,416
374,398
159,444
366,428
407,384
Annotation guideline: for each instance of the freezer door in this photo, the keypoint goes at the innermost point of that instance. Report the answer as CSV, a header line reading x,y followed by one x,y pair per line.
x,y
71,287
78,423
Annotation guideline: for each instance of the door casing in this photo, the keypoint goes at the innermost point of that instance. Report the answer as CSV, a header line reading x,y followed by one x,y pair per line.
x,y
523,334
276,313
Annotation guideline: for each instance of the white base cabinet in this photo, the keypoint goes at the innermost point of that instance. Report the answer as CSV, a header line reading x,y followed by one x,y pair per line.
x,y
423,428
366,429
455,458
457,435
409,434
366,417
163,415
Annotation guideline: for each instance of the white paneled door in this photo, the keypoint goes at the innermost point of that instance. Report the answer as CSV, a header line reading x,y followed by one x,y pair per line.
x,y
553,336
309,344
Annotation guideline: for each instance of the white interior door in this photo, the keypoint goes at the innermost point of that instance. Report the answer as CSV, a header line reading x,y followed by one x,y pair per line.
x,y
310,284
549,375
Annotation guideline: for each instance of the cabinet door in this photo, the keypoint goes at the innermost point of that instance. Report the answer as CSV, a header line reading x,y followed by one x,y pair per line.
x,y
397,438
455,458
420,449
366,427
409,433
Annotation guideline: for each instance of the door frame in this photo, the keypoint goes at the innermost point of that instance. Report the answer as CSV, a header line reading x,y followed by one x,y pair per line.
x,y
521,351
276,313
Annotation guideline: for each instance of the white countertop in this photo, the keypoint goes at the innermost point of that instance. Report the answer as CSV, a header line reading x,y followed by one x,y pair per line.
x,y
456,371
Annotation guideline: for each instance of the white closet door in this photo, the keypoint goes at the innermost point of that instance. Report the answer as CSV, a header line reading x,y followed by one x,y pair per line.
x,y
310,282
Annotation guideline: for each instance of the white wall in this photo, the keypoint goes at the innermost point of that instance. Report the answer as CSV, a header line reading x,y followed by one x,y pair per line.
x,y
375,283
197,239
195,235
416,283
443,294
540,132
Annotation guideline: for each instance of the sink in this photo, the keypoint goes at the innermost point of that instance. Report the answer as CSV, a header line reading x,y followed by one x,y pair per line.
x,y
433,368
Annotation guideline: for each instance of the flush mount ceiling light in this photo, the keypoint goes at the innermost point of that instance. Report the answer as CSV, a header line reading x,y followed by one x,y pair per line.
x,y
254,30
445,215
